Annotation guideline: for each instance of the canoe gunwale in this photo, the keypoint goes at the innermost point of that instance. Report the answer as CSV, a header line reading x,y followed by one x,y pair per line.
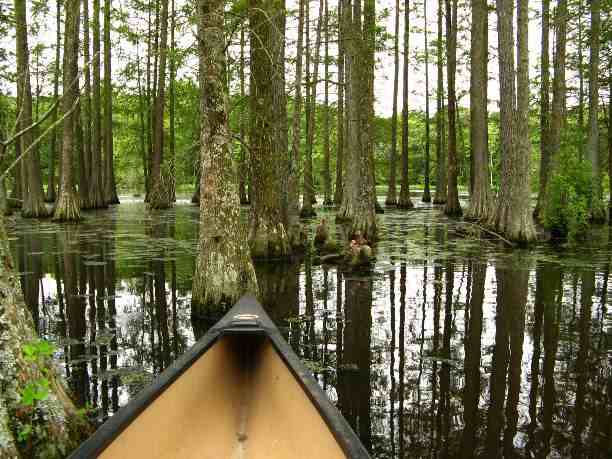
x,y
115,425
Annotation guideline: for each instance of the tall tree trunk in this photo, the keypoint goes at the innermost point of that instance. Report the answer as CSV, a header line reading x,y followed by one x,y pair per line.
x,y
85,104
293,188
56,426
392,186
610,139
340,134
67,207
426,191
557,116
110,186
545,146
596,207
580,65
172,103
404,199
33,205
481,199
513,217
440,196
311,126
268,235
327,185
96,185
243,163
51,184
160,192
452,199
224,270
358,205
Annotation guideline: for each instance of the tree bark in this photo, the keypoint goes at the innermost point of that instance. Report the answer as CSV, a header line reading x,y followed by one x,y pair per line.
x,y
392,187
545,146
513,217
452,199
224,270
404,199
340,139
267,232
596,207
67,207
96,184
440,196
33,205
110,187
358,205
481,199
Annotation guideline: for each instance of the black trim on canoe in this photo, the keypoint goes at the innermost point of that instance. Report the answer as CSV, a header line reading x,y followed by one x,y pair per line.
x,y
246,317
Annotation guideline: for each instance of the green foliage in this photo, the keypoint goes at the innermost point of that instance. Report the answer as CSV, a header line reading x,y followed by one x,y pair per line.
x,y
569,194
39,354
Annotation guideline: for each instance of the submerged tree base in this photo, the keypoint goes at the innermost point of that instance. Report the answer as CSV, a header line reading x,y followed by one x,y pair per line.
x,y
67,208
269,242
405,204
514,226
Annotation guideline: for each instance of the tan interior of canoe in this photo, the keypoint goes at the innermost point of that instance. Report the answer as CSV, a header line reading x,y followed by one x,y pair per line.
x,y
238,401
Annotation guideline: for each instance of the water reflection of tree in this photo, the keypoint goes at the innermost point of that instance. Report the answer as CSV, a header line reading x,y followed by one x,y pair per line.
x,y
354,387
512,286
473,335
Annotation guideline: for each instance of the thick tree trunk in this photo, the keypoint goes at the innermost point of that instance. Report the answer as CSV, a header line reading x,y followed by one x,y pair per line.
x,y
224,270
426,191
110,187
51,183
452,199
404,199
267,233
610,141
545,145
327,185
513,217
340,135
358,206
56,426
440,196
32,191
392,187
481,200
67,207
96,184
596,207
293,188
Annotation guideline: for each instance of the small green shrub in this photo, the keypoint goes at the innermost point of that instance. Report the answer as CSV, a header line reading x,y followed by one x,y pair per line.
x,y
569,194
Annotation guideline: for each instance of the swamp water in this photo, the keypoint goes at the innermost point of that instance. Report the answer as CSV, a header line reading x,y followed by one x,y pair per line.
x,y
397,351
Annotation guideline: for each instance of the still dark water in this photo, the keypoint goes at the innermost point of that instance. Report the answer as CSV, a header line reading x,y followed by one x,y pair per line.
x,y
451,348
